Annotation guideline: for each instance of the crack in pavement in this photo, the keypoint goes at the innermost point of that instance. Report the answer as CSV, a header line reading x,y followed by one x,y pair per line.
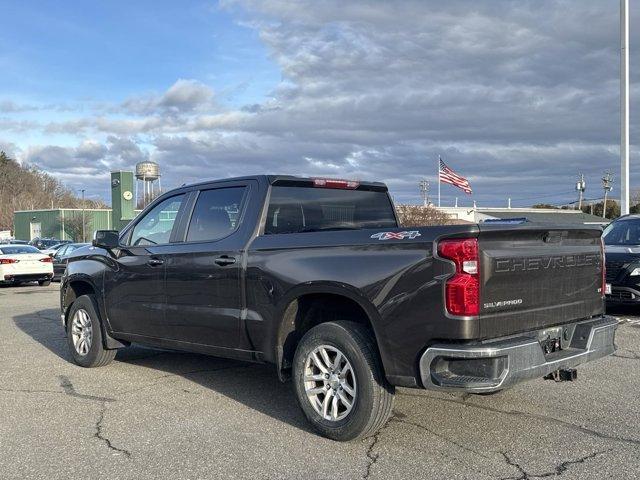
x,y
518,413
161,378
438,435
70,390
371,456
557,471
30,390
100,435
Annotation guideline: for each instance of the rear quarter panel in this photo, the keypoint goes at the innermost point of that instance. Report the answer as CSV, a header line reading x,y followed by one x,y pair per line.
x,y
397,282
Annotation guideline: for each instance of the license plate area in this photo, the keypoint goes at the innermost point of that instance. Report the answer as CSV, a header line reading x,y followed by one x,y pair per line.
x,y
550,340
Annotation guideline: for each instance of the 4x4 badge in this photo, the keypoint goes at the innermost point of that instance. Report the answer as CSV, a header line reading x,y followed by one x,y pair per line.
x,y
396,235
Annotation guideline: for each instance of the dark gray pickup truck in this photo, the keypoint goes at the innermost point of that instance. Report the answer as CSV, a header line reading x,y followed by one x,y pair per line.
x,y
316,277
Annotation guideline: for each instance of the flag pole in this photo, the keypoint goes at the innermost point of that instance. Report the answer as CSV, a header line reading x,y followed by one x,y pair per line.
x,y
438,180
624,107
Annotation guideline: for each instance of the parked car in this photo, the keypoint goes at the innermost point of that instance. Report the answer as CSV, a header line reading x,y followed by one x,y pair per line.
x,y
622,241
61,258
24,263
45,243
317,277
54,248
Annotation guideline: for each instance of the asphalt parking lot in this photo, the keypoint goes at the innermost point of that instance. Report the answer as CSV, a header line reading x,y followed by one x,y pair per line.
x,y
160,414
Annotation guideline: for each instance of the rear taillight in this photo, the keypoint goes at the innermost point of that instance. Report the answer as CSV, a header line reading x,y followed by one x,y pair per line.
x,y
603,286
335,183
462,290
7,261
47,260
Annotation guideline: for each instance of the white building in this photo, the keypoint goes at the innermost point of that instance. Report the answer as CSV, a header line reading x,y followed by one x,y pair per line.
x,y
544,215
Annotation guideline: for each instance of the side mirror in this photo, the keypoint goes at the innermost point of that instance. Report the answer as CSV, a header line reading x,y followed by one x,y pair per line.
x,y
106,239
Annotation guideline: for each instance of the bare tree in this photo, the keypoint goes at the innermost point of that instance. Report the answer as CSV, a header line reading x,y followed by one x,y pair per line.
x,y
73,226
27,188
417,216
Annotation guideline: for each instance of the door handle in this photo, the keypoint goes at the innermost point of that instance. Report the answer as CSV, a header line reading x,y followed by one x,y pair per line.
x,y
225,260
155,262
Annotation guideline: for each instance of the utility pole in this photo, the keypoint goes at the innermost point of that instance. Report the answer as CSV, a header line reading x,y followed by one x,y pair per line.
x,y
424,191
84,238
581,186
624,107
607,181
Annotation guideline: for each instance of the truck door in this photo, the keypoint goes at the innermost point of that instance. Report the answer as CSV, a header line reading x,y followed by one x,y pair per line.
x,y
204,274
135,294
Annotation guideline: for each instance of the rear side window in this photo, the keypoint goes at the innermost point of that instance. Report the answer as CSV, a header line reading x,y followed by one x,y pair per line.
x,y
310,209
216,214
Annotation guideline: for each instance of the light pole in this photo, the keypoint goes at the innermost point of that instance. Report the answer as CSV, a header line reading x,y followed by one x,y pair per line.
x,y
84,239
424,191
607,180
581,186
624,107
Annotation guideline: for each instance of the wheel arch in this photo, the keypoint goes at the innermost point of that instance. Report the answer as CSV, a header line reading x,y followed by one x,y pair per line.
x,y
312,304
77,286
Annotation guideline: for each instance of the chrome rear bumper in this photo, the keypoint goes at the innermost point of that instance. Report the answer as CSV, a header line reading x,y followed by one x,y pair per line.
x,y
498,364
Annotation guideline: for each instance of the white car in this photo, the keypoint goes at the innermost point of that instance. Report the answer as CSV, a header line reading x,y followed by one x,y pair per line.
x,y
24,263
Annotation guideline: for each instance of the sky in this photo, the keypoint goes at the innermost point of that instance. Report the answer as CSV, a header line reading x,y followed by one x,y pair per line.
x,y
518,96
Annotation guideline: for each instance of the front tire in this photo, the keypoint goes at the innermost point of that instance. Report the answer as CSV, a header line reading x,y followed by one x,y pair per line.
x,y
339,381
84,334
44,283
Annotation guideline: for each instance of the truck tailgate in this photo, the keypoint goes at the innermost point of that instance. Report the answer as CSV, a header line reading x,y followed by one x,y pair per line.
x,y
537,276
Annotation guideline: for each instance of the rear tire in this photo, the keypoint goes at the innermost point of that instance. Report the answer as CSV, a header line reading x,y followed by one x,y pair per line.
x,y
84,334
364,397
44,283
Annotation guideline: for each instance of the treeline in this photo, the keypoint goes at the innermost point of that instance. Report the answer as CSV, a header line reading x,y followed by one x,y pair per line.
x,y
24,187
613,207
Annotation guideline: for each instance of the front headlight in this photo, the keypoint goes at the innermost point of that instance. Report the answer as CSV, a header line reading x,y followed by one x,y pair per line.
x,y
635,272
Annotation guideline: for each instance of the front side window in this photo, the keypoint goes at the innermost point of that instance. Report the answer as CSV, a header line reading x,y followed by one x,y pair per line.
x,y
309,209
216,214
156,226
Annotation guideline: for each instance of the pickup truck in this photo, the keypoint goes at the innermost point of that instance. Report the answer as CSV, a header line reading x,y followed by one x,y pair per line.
x,y
317,277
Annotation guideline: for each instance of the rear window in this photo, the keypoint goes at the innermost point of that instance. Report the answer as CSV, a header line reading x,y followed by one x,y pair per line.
x,y
18,250
302,209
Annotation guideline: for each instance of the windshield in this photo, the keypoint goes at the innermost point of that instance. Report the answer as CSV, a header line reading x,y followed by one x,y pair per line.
x,y
625,232
18,249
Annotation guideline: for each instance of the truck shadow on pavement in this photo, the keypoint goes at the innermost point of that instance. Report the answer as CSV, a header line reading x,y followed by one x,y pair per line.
x,y
254,385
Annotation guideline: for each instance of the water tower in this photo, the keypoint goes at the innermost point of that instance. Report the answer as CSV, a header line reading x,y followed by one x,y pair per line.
x,y
149,174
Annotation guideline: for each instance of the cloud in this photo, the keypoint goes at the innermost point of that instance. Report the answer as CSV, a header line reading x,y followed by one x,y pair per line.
x,y
517,95
9,106
185,95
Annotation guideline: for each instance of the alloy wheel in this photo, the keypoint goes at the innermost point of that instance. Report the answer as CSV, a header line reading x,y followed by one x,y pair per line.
x,y
330,383
81,332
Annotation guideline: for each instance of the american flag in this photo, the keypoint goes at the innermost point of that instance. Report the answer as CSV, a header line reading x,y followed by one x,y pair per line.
x,y
447,175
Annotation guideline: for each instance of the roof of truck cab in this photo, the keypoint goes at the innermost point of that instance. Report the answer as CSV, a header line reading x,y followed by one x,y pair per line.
x,y
292,179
